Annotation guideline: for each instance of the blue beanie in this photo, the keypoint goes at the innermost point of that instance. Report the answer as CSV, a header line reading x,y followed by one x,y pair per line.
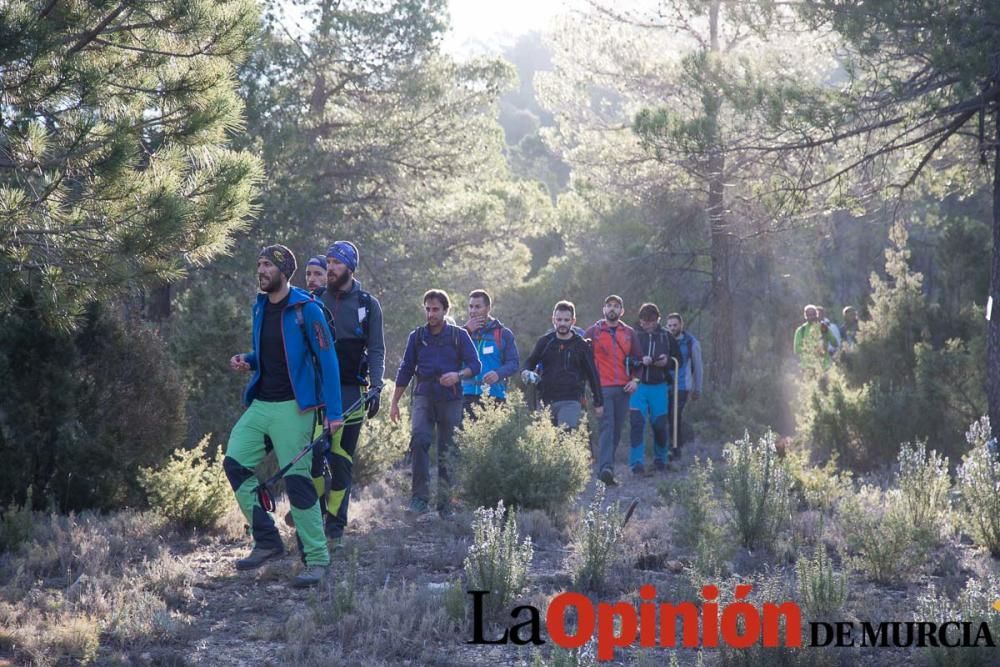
x,y
318,260
344,252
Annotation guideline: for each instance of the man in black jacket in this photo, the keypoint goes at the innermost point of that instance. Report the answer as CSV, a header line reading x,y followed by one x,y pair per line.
x,y
650,399
562,363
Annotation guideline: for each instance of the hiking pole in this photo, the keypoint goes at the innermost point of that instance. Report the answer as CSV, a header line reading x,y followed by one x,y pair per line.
x,y
264,488
677,383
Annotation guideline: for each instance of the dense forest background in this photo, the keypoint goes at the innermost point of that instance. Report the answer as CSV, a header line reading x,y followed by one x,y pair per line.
x,y
729,161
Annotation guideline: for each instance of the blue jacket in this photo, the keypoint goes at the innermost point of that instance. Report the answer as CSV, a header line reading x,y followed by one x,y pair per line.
x,y
692,371
429,357
497,352
300,366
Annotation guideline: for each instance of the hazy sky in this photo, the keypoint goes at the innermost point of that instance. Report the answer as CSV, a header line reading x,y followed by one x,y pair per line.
x,y
494,22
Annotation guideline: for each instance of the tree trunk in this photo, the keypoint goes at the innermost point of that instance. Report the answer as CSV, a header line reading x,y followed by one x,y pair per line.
x,y
721,367
993,325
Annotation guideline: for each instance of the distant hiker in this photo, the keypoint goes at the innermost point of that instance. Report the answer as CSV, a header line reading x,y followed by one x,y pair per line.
x,y
616,355
849,329
316,275
295,378
562,363
440,355
812,340
832,348
691,375
497,352
651,399
360,347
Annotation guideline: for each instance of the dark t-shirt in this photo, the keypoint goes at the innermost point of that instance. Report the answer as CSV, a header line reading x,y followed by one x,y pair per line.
x,y
275,383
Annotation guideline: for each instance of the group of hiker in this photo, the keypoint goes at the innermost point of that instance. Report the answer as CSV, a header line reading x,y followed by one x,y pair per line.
x,y
317,365
819,341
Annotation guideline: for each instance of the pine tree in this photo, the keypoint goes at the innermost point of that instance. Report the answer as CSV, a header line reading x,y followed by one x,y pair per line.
x,y
114,119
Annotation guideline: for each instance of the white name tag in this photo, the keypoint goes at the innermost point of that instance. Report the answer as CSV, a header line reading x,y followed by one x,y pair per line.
x,y
488,349
362,311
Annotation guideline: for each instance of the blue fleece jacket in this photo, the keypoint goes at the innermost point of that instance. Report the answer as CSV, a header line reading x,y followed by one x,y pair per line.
x,y
300,366
496,356
430,356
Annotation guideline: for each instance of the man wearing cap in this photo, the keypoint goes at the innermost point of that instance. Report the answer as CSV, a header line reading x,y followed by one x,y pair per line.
x,y
290,339
316,275
618,359
360,347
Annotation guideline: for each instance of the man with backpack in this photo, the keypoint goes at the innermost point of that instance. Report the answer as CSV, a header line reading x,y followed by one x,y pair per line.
x,y
561,364
356,319
316,275
651,399
441,356
691,375
616,354
295,374
497,352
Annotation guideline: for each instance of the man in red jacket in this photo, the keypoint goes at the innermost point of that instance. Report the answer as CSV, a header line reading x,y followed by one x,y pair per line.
x,y
618,359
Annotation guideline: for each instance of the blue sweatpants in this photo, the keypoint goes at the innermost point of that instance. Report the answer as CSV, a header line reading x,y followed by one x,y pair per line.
x,y
648,402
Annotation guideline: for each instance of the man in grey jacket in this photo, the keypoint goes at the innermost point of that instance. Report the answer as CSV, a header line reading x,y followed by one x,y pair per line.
x,y
360,347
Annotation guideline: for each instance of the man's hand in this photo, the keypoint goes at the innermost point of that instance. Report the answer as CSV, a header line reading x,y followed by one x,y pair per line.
x,y
631,386
450,379
661,361
647,360
475,324
372,404
333,425
394,412
695,395
238,363
491,378
599,410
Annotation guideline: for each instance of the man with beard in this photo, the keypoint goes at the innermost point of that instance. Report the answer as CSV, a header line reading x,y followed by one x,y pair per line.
x,y
440,355
360,347
295,376
562,364
497,352
651,398
691,372
316,275
616,354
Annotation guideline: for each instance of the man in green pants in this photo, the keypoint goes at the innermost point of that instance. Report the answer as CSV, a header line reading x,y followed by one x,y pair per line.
x,y
295,373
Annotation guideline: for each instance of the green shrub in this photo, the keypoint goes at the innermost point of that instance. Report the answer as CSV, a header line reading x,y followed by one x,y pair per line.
x,y
974,605
698,526
757,484
979,481
84,411
822,592
880,535
382,443
924,486
191,488
597,543
519,457
498,560
819,487
16,525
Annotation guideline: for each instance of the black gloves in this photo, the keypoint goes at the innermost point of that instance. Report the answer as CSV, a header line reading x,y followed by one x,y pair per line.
x,y
372,403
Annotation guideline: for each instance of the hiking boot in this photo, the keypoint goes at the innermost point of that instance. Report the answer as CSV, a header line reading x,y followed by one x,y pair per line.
x,y
446,509
608,477
335,544
660,466
418,506
638,469
310,576
258,557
